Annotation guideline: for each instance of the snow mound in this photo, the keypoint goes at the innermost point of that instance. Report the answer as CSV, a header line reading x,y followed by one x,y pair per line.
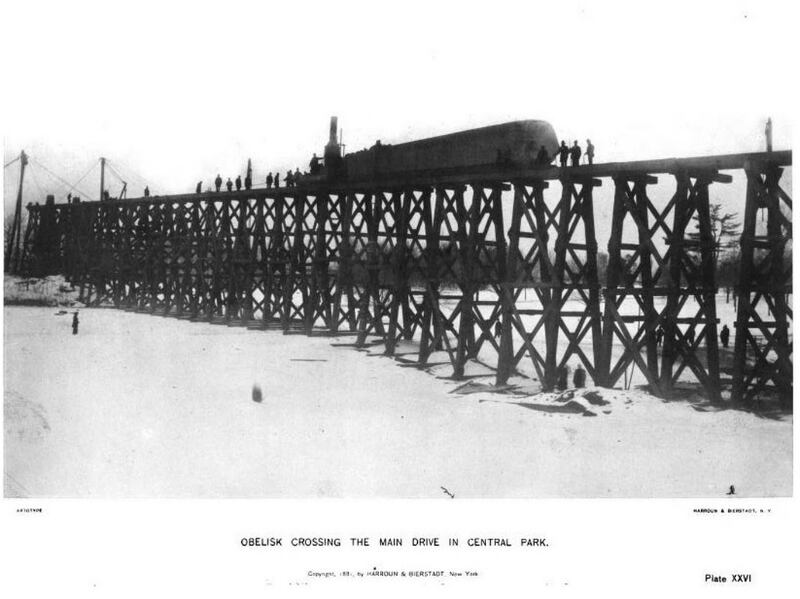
x,y
586,402
23,419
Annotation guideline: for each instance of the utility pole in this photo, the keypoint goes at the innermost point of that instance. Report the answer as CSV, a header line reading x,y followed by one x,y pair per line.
x,y
102,178
12,254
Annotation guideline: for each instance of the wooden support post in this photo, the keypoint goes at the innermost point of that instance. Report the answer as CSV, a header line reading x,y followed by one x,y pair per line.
x,y
326,255
296,266
284,255
278,264
344,272
708,290
500,273
430,328
552,314
466,328
675,255
613,280
167,258
371,318
197,261
762,350
400,204
592,280
12,256
316,234
505,357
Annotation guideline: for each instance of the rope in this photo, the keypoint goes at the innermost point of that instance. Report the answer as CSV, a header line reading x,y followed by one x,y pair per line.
x,y
130,171
118,176
12,162
60,185
36,182
115,173
70,187
91,168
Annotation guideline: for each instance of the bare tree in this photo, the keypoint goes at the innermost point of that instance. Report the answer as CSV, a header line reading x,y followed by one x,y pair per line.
x,y
724,229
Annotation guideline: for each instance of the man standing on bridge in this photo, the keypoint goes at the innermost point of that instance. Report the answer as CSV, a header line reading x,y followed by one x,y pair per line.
x,y
542,157
768,134
218,182
238,182
575,153
229,184
269,180
199,187
589,151
563,153
277,180
146,191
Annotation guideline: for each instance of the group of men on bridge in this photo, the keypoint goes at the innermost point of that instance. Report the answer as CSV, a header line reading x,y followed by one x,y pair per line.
x,y
290,180
574,153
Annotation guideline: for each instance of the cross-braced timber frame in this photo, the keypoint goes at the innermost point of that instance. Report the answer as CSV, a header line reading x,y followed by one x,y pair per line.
x,y
427,268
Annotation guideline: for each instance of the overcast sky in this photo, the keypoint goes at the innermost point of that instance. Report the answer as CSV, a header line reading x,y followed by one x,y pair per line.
x,y
171,95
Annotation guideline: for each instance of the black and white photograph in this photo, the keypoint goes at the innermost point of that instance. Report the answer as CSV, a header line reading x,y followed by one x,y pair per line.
x,y
412,252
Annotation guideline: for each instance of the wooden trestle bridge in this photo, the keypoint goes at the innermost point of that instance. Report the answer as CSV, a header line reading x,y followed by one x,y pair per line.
x,y
430,258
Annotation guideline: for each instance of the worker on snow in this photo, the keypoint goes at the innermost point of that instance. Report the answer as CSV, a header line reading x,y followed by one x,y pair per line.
x,y
258,396
579,380
563,376
75,323
725,335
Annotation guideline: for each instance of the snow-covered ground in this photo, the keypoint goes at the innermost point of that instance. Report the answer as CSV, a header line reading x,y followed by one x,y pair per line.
x,y
144,406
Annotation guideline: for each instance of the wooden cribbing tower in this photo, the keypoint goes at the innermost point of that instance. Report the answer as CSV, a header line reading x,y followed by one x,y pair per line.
x,y
429,260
